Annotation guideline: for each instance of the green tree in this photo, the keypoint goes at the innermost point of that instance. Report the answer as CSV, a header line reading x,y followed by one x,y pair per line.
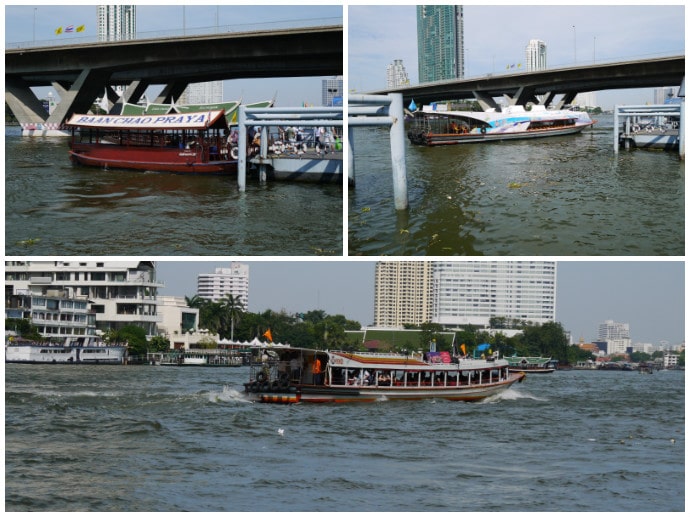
x,y
133,336
232,311
24,328
158,344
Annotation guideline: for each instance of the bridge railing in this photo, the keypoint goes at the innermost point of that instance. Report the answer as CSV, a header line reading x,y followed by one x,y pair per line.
x,y
180,33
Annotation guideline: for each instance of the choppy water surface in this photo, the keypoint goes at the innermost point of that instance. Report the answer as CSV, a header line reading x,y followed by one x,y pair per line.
x,y
54,208
554,196
143,438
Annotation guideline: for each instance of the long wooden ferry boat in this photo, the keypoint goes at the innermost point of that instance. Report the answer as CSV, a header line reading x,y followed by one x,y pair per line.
x,y
291,375
190,143
532,364
433,128
37,353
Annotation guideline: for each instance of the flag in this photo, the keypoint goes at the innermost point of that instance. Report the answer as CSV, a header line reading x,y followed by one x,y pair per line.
x,y
268,335
69,28
81,28
464,350
58,31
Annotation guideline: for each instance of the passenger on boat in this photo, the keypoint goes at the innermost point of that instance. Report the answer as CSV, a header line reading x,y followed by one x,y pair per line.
x,y
295,368
316,371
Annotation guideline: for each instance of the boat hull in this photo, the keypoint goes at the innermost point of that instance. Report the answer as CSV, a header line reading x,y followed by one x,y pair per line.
x,y
353,394
184,161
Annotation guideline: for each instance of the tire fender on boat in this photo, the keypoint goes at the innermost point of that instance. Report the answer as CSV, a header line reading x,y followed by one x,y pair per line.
x,y
234,152
483,130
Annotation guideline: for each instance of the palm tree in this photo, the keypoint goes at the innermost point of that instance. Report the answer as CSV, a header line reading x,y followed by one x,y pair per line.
x,y
232,310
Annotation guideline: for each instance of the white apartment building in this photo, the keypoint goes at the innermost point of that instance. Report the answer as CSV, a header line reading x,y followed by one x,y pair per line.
x,y
233,280
535,55
402,293
461,293
616,335
116,293
210,92
472,292
396,75
332,91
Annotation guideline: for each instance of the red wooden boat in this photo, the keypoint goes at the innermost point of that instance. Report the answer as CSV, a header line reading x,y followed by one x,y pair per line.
x,y
190,143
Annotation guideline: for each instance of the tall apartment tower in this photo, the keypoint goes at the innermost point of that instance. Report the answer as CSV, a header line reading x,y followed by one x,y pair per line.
x,y
209,92
117,22
616,335
464,292
396,75
535,55
402,293
440,42
233,280
472,292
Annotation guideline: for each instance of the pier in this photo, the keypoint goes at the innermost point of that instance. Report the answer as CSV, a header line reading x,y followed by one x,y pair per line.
x,y
275,117
649,127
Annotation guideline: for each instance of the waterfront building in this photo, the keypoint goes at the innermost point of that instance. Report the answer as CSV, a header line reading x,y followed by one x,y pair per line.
x,y
332,91
233,280
175,316
473,292
616,335
117,22
116,294
440,42
535,55
402,293
460,293
396,75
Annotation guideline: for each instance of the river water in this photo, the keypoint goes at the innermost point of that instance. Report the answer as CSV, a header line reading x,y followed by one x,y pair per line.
x,y
151,438
559,196
55,208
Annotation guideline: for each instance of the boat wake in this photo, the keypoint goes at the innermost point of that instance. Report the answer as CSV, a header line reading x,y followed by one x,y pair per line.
x,y
228,394
511,395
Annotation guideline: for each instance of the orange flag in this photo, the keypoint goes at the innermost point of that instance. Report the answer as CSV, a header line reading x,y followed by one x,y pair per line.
x,y
268,335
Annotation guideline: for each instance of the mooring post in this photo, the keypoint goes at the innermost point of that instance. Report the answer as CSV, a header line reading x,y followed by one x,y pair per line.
x,y
616,123
242,150
263,152
681,131
351,155
398,151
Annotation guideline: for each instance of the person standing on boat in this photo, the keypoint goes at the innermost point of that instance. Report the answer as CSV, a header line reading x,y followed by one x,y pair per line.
x,y
316,371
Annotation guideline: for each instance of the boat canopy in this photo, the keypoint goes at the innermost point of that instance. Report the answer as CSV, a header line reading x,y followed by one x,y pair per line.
x,y
196,120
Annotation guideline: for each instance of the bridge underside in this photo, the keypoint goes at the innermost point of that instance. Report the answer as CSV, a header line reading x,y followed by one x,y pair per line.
x,y
82,73
550,86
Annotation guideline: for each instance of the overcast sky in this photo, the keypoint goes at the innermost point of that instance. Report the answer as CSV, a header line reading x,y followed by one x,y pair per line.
x,y
649,295
26,23
496,37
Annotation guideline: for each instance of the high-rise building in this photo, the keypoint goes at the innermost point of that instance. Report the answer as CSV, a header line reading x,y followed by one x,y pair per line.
x,y
473,292
233,280
402,293
73,299
616,335
464,292
396,75
535,55
202,93
117,22
332,91
440,45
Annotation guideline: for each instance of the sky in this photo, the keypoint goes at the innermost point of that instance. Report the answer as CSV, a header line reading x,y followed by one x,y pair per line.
x,y
648,295
496,37
28,23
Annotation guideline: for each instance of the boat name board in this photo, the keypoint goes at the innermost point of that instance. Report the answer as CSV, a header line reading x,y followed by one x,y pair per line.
x,y
186,120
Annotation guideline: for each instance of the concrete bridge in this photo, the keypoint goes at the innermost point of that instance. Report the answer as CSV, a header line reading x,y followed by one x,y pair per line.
x,y
81,73
524,87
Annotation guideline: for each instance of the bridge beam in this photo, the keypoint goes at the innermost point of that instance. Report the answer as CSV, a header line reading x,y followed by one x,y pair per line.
x,y
171,92
81,95
24,103
485,101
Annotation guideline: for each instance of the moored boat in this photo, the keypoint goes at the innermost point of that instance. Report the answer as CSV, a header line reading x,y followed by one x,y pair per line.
x,y
290,375
37,353
532,364
432,128
190,143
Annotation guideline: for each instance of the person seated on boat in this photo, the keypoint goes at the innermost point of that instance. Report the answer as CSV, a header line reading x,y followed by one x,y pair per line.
x,y
454,127
366,378
295,369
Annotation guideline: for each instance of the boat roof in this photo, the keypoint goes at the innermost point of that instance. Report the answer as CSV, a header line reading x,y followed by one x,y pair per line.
x,y
193,120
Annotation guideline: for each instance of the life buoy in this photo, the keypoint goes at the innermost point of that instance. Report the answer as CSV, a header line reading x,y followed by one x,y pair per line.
x,y
234,152
483,130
